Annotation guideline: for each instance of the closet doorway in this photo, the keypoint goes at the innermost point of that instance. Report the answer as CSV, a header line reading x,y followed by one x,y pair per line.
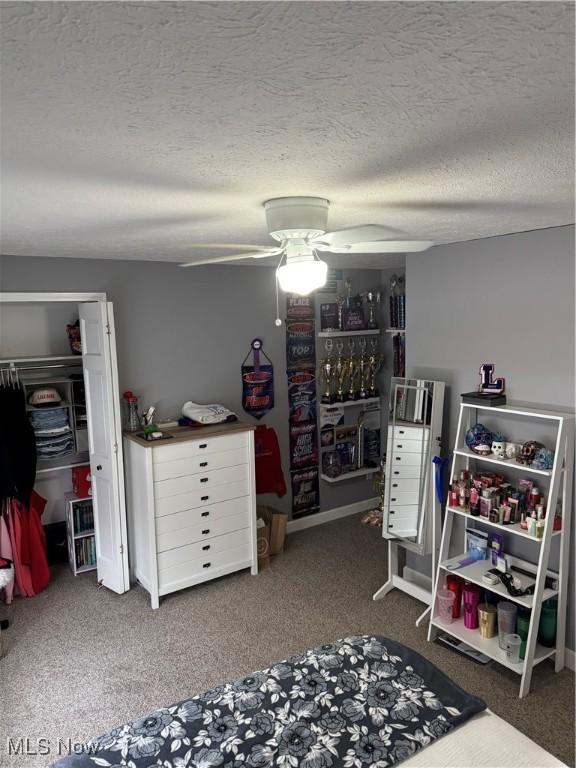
x,y
33,345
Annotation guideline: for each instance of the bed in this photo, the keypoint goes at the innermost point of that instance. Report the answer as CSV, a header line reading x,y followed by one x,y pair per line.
x,y
358,702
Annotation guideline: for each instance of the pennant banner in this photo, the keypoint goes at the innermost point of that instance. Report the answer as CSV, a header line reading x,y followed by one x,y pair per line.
x,y
257,382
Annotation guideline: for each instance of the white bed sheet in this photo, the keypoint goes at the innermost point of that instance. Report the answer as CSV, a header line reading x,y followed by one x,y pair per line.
x,y
484,741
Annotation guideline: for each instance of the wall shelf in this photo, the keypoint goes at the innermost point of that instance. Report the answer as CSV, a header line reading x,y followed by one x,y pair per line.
x,y
336,334
395,330
351,403
350,475
515,528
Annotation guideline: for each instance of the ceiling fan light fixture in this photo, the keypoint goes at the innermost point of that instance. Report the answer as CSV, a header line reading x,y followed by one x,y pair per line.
x,y
302,275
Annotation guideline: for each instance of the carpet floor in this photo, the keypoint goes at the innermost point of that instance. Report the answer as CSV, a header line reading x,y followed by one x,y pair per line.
x,y
81,660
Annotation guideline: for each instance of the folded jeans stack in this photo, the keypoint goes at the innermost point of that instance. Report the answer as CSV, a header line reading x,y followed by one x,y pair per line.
x,y
53,433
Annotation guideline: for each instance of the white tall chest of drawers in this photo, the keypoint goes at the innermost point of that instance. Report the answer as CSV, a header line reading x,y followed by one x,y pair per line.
x,y
191,506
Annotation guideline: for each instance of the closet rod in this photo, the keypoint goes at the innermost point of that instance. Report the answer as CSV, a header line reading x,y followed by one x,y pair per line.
x,y
24,368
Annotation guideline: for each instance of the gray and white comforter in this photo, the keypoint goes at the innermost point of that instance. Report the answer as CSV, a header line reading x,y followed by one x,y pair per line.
x,y
362,701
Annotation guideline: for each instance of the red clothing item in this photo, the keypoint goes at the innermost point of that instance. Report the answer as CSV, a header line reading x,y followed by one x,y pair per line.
x,y
39,568
22,575
269,475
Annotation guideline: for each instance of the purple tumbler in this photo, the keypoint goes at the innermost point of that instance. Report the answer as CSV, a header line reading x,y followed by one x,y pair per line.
x,y
470,599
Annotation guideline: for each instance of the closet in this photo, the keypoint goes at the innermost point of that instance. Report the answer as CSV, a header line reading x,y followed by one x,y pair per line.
x,y
81,427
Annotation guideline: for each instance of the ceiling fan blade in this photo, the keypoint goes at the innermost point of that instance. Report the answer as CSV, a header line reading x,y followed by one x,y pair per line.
x,y
352,235
381,246
233,257
230,246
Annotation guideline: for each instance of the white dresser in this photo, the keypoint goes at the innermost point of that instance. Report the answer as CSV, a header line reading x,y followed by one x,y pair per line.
x,y
191,506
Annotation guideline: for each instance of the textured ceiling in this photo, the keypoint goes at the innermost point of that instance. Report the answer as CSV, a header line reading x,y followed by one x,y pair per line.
x,y
136,130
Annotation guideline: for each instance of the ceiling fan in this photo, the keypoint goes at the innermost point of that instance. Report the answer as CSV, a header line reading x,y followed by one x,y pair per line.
x,y
299,224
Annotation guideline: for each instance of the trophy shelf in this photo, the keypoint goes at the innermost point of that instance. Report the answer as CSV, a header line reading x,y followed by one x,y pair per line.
x,y
350,403
335,334
364,472
395,330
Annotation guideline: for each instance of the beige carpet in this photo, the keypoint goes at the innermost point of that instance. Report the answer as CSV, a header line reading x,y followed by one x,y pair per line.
x,y
82,660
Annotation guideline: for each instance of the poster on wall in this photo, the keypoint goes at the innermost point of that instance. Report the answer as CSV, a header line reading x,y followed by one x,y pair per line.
x,y
300,344
257,381
302,395
303,445
300,307
305,492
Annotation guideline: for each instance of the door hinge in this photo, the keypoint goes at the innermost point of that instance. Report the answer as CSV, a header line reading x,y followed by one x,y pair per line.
x,y
108,331
115,447
121,549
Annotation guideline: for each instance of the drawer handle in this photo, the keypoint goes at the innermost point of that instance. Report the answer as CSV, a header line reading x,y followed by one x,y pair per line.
x,y
401,431
396,473
204,498
205,514
394,485
399,445
394,499
206,565
203,479
203,445
203,463
391,512
398,458
206,548
205,531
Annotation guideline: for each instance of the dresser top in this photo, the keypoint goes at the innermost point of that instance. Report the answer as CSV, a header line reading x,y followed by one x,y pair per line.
x,y
183,434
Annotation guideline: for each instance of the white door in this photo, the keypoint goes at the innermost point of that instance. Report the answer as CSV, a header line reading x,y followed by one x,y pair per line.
x,y
105,443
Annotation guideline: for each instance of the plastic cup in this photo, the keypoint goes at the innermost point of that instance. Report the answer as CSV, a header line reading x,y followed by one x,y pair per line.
x,y
506,621
487,619
512,644
547,626
522,628
445,604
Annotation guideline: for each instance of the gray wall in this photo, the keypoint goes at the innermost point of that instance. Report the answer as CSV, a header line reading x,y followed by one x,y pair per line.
x,y
181,334
507,300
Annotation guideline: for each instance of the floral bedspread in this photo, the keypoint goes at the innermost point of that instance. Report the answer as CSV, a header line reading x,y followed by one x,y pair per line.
x,y
362,701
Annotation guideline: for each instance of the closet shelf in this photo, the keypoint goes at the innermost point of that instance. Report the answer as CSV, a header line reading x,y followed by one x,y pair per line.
x,y
84,534
350,403
41,359
336,334
61,467
61,404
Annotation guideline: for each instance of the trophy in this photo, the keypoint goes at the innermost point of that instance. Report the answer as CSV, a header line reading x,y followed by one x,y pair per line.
x,y
340,373
375,361
372,300
363,369
327,374
340,301
352,374
348,299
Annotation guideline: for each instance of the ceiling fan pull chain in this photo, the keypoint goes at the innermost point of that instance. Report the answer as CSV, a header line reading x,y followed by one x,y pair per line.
x,y
278,322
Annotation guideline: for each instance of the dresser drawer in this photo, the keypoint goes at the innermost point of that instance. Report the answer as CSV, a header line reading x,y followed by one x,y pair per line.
x,y
404,460
405,513
408,433
200,481
404,485
396,498
170,578
200,550
188,517
193,465
400,445
202,498
199,530
402,471
201,446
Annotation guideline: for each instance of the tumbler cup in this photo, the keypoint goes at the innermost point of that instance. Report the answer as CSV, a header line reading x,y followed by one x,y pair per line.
x,y
445,604
487,619
506,621
471,598
513,643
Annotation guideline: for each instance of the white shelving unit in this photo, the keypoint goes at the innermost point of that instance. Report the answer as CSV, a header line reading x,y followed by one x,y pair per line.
x,y
80,533
351,403
557,484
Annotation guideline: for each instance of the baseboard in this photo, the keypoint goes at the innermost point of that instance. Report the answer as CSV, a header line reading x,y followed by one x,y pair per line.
x,y
569,659
331,514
